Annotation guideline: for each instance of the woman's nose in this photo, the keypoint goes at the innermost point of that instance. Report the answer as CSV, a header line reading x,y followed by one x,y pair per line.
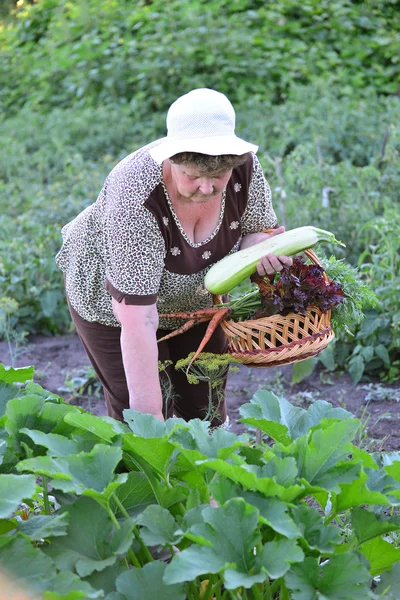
x,y
206,187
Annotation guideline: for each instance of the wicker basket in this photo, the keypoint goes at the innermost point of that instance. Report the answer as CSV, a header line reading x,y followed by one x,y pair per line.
x,y
280,340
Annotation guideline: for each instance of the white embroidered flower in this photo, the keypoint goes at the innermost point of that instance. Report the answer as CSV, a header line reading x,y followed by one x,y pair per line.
x,y
237,187
234,225
165,220
175,251
206,255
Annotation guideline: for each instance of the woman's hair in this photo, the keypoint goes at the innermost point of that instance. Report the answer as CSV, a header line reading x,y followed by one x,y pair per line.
x,y
210,165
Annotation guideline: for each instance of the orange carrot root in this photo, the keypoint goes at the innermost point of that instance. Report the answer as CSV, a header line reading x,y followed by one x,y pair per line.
x,y
185,327
217,318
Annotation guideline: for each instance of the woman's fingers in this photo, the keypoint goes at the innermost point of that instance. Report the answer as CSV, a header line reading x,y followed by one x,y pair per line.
x,y
277,231
271,264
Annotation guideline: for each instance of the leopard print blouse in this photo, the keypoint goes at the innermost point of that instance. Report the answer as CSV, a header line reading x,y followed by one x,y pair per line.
x,y
130,244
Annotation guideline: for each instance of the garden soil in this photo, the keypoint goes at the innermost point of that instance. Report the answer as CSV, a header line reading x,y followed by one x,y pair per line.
x,y
59,361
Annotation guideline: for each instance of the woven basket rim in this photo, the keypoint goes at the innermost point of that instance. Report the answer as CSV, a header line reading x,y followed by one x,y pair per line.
x,y
321,334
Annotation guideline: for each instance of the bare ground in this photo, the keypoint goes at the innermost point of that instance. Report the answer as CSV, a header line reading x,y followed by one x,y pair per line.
x,y
61,359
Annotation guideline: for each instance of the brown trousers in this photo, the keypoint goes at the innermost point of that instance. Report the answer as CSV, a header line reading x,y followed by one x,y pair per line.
x,y
181,398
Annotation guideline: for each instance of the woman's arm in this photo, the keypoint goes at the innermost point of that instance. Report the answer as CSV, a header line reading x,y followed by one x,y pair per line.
x,y
270,263
140,355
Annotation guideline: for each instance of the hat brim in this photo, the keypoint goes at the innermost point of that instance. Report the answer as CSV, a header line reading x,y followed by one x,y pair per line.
x,y
213,146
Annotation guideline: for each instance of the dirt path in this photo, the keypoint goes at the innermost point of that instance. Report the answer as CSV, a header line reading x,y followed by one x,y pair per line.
x,y
61,358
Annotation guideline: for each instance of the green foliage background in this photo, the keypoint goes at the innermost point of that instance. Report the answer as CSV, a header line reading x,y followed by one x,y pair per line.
x,y
85,82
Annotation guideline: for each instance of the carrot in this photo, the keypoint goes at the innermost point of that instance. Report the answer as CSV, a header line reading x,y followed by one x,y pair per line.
x,y
214,315
219,316
182,328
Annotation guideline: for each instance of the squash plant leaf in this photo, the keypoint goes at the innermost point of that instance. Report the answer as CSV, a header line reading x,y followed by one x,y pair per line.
x,y
315,534
144,425
357,493
57,445
44,526
20,375
368,525
69,586
380,554
342,578
91,543
231,532
27,564
284,422
326,448
105,580
218,444
158,526
135,493
156,452
95,425
13,490
274,513
7,393
78,472
148,582
390,582
251,481
277,556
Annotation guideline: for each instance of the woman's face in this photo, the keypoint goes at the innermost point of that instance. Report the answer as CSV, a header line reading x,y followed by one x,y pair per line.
x,y
196,187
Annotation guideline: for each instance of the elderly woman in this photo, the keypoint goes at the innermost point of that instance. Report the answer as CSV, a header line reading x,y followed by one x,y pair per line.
x,y
165,214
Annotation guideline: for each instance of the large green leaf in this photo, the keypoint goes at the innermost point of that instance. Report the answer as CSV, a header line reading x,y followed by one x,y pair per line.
x,y
342,578
27,564
7,392
20,375
13,490
144,425
276,557
78,472
156,452
23,412
105,580
43,526
314,532
367,525
284,422
357,493
230,532
303,369
380,554
33,412
68,586
326,448
219,444
274,513
390,582
95,425
91,543
239,473
135,494
57,445
158,526
148,583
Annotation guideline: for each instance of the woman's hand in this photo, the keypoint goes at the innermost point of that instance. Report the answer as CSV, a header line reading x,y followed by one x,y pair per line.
x,y
270,263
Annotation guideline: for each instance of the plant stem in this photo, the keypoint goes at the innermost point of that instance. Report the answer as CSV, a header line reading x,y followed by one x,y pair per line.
x,y
209,590
45,495
144,548
257,594
117,526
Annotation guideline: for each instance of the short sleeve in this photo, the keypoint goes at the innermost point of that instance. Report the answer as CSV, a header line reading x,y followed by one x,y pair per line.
x,y
134,254
259,213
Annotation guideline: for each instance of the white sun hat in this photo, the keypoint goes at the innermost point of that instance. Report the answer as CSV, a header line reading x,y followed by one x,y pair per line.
x,y
201,121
